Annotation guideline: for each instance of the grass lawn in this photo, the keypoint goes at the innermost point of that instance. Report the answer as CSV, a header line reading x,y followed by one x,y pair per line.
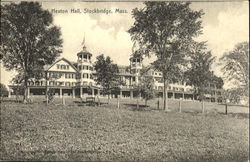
x,y
84,133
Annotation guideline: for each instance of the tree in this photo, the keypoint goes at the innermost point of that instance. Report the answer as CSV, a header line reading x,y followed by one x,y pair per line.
x,y
218,81
147,90
199,73
166,29
29,39
236,66
3,91
106,74
18,81
145,86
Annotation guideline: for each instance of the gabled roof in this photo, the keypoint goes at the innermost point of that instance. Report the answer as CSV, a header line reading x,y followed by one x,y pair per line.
x,y
64,59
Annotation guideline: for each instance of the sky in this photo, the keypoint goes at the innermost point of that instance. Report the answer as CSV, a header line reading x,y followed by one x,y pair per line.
x,y
224,25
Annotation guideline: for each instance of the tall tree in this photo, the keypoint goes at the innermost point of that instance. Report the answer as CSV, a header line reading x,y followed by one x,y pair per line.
x,y
106,74
29,39
166,29
199,73
236,66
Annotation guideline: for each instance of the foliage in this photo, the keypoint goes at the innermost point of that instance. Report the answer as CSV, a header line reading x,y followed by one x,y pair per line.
x,y
3,90
29,40
236,66
148,88
145,86
233,95
166,29
199,73
218,81
106,74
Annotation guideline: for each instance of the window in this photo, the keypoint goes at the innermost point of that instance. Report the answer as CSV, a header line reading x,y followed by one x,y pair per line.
x,y
68,67
87,67
133,79
63,67
58,66
87,75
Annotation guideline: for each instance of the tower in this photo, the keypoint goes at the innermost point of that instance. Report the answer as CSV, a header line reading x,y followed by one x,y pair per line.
x,y
85,66
136,65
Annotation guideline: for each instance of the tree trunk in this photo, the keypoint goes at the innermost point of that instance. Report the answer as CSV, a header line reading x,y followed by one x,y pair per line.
x,y
46,89
165,94
202,99
108,98
137,101
25,96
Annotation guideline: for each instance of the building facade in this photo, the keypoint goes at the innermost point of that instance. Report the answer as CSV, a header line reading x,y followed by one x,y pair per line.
x,y
77,79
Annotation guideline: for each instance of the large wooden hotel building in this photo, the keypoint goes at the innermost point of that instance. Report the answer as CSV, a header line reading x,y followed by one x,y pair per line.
x,y
76,79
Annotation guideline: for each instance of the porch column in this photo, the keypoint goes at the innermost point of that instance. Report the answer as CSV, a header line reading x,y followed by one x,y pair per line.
x,y
60,92
80,92
28,92
131,94
93,92
183,96
73,92
193,96
173,95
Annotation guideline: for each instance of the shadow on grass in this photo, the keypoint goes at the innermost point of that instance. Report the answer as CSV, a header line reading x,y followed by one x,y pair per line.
x,y
236,115
11,101
84,103
133,107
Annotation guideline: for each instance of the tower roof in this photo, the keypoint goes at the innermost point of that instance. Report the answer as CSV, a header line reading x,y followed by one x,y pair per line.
x,y
84,49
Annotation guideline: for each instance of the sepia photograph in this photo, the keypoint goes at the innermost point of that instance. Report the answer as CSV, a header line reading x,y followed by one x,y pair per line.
x,y
124,80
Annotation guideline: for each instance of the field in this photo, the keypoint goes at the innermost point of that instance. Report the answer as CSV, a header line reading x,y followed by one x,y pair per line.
x,y
78,132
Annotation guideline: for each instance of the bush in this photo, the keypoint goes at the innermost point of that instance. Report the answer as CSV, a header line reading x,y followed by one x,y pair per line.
x,y
3,90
